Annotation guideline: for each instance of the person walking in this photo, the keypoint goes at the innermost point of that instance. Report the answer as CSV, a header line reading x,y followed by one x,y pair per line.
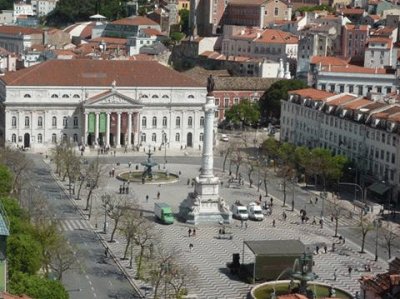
x,y
316,200
189,232
350,269
271,201
158,195
284,216
314,221
194,232
325,248
273,223
147,198
245,224
190,247
317,249
241,223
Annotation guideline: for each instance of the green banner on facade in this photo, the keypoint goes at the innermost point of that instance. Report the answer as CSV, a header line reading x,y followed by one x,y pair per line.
x,y
103,123
92,122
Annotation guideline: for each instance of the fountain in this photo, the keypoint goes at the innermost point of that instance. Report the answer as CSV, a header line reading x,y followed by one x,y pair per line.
x,y
149,164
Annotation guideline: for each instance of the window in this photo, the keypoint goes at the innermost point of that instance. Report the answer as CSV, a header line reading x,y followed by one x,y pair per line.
x,y
27,122
65,122
323,86
154,137
202,122
393,158
165,97
216,114
54,122
40,138
190,121
64,137
143,137
27,95
40,121
201,137
236,101
54,138
14,122
13,138
76,122
217,102
75,137
144,122
144,96
154,96
387,156
341,88
351,88
276,11
379,89
76,96
154,122
226,102
65,96
388,89
177,137
178,122
164,122
54,96
190,96
332,87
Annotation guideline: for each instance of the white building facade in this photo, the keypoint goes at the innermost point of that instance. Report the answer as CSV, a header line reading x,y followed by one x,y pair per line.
x,y
95,103
366,131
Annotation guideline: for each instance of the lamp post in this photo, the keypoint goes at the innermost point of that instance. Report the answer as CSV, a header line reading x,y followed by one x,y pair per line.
x,y
355,181
377,225
323,196
294,180
363,192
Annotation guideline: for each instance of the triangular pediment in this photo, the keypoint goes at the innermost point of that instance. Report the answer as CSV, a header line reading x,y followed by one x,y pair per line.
x,y
112,98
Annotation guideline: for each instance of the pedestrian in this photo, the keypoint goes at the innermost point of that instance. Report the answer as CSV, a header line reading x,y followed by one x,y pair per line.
x,y
190,232
273,223
194,232
333,247
245,224
331,218
317,249
321,222
106,252
284,216
325,248
343,240
241,223
350,269
190,247
260,198
147,198
314,221
316,200
129,164
158,195
271,201
334,275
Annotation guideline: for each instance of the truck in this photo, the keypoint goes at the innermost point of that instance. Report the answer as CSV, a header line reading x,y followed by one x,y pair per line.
x,y
255,211
163,212
239,211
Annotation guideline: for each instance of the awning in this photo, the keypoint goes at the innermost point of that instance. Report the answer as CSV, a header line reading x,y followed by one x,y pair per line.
x,y
379,188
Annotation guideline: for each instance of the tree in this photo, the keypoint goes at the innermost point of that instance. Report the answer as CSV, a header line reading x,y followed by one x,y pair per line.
x,y
314,8
287,172
128,229
184,22
24,254
116,207
366,225
245,113
236,158
270,148
303,160
6,4
93,175
176,36
389,236
270,101
5,180
178,278
37,287
335,210
62,257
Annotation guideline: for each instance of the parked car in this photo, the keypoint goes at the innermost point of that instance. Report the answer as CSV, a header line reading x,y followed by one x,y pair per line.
x,y
224,138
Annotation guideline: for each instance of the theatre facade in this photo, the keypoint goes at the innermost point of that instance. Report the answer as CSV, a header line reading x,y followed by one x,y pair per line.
x,y
94,103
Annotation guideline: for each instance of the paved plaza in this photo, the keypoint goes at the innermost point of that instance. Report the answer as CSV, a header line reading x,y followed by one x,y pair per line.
x,y
210,255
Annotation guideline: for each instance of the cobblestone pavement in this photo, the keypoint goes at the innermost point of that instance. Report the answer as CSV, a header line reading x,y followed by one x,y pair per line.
x,y
210,254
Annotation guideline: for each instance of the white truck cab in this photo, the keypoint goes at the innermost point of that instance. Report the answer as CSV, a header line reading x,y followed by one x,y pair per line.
x,y
239,211
255,211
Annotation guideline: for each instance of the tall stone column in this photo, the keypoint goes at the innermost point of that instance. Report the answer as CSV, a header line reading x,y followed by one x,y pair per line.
x,y
118,145
129,128
96,129
85,129
108,125
207,162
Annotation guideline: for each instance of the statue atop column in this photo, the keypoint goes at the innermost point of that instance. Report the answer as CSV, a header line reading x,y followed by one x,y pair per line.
x,y
210,85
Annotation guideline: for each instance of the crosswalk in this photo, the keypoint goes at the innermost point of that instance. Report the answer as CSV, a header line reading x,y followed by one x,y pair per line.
x,y
73,224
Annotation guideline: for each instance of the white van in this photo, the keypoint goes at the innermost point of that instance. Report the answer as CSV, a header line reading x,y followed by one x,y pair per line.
x,y
240,212
255,211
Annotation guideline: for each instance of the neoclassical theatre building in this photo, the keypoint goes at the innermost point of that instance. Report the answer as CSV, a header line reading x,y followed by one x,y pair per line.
x,y
101,103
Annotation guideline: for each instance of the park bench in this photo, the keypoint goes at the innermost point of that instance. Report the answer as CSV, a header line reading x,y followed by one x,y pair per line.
x,y
225,235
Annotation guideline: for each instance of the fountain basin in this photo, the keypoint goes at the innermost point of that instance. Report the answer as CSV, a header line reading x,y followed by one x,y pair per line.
x,y
264,290
159,177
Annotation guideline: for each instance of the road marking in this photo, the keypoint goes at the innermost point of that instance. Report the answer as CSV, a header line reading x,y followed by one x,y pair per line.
x,y
94,295
87,277
92,289
90,282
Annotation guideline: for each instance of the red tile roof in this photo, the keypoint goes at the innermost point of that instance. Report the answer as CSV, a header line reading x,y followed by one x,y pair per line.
x,y
111,40
98,73
136,20
352,11
5,295
381,283
312,93
15,30
328,60
272,36
350,27
357,104
382,40
151,31
342,99
355,69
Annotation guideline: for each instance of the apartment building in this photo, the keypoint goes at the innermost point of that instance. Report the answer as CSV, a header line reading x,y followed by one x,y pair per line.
x,y
354,39
365,131
379,53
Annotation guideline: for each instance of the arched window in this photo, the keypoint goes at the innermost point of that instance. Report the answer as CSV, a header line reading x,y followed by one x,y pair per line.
x,y
13,138
276,11
40,138
53,138
65,122
54,96
178,122
75,137
76,96
154,137
54,122
40,121
64,137
143,137
177,137
27,122
14,122
65,96
154,122
201,137
165,97
155,96
76,122
202,122
190,96
144,122
144,96
190,121
27,95
164,122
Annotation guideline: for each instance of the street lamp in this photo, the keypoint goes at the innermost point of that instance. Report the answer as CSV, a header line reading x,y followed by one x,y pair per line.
x,y
355,181
294,181
377,225
363,192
